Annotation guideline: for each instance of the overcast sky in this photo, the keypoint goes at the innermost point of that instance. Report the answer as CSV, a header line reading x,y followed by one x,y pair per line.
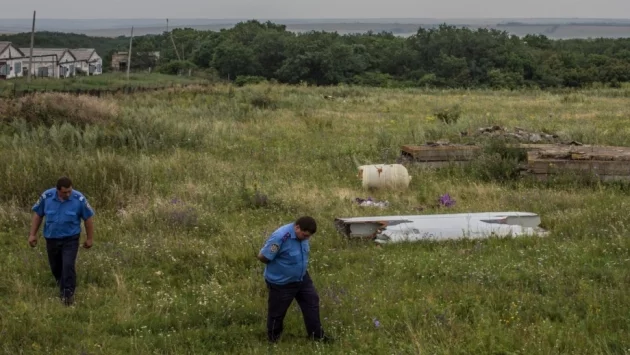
x,y
278,9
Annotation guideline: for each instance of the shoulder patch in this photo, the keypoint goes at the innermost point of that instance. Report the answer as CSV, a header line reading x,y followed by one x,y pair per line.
x,y
286,236
43,196
274,248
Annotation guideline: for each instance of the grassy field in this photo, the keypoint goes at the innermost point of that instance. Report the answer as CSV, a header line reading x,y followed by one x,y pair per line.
x,y
108,81
173,177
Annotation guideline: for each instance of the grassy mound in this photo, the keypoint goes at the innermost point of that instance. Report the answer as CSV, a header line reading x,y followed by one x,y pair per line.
x,y
55,108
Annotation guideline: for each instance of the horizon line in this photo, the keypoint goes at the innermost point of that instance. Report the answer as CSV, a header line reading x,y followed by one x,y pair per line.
x,y
317,18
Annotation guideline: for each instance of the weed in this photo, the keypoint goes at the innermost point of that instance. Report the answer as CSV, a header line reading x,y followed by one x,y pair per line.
x,y
449,115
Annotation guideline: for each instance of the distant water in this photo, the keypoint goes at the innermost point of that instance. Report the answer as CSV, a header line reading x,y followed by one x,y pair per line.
x,y
553,28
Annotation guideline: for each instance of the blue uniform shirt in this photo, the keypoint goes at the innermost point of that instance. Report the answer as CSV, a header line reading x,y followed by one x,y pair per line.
x,y
287,255
63,218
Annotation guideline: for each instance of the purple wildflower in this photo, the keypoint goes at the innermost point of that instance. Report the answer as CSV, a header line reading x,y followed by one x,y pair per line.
x,y
446,200
376,323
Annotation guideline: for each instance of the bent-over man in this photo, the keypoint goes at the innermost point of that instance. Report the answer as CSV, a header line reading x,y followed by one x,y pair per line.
x,y
286,254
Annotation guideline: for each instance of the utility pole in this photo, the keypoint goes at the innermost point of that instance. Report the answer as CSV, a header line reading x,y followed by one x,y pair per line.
x,y
30,57
129,55
173,41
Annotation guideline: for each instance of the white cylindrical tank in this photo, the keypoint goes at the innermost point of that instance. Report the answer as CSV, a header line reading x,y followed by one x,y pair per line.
x,y
393,176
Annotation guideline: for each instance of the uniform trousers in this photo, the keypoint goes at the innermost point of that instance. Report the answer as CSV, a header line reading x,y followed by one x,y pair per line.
x,y
62,255
280,298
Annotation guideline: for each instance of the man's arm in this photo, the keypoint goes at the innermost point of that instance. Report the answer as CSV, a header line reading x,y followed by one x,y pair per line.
x,y
270,249
87,213
262,259
89,229
36,221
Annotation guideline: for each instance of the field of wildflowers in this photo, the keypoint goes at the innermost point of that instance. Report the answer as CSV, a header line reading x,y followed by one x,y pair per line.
x,y
187,184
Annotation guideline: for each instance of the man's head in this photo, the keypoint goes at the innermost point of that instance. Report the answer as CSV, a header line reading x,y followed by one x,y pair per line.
x,y
305,227
64,188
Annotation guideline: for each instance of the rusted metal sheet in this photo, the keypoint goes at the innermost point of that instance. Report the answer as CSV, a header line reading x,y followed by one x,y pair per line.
x,y
607,163
534,146
433,153
603,153
551,166
394,229
604,162
443,154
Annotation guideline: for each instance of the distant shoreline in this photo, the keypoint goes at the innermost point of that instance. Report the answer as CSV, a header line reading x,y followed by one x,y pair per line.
x,y
553,28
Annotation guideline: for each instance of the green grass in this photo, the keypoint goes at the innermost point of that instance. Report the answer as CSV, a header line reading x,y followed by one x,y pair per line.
x,y
172,174
107,81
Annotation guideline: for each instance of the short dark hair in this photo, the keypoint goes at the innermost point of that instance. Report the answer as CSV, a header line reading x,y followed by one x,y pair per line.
x,y
307,224
64,182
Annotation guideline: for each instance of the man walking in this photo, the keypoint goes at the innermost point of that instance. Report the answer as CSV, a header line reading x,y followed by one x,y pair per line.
x,y
285,254
63,209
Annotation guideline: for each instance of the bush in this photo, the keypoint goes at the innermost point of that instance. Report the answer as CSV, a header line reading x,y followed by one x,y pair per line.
x,y
263,100
449,115
498,162
429,80
56,108
176,67
243,80
501,79
373,79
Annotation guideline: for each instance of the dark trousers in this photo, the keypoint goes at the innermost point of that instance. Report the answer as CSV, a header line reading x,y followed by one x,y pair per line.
x,y
62,255
280,298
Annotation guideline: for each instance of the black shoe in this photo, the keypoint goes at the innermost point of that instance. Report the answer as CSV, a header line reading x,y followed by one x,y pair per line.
x,y
68,301
327,339
274,339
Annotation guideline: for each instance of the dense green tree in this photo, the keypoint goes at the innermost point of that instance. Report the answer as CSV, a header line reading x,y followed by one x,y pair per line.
x,y
442,56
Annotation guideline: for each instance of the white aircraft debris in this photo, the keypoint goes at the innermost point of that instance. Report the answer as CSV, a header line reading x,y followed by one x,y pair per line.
x,y
394,229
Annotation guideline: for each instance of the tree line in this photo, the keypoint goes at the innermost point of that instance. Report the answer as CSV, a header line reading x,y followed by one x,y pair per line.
x,y
442,56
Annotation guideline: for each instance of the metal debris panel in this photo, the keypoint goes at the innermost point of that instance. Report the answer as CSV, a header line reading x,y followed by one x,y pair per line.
x,y
393,229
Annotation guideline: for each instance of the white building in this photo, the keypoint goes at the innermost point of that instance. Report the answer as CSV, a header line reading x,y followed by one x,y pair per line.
x,y
10,61
51,62
48,62
88,61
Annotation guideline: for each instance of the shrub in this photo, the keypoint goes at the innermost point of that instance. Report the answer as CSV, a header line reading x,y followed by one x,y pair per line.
x,y
373,79
449,115
498,162
243,80
429,80
176,67
263,100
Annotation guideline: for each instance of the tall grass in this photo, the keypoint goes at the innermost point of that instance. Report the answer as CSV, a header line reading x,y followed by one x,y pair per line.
x,y
108,81
187,183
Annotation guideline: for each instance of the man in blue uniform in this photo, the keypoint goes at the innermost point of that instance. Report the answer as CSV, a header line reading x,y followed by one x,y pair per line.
x,y
63,208
285,254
